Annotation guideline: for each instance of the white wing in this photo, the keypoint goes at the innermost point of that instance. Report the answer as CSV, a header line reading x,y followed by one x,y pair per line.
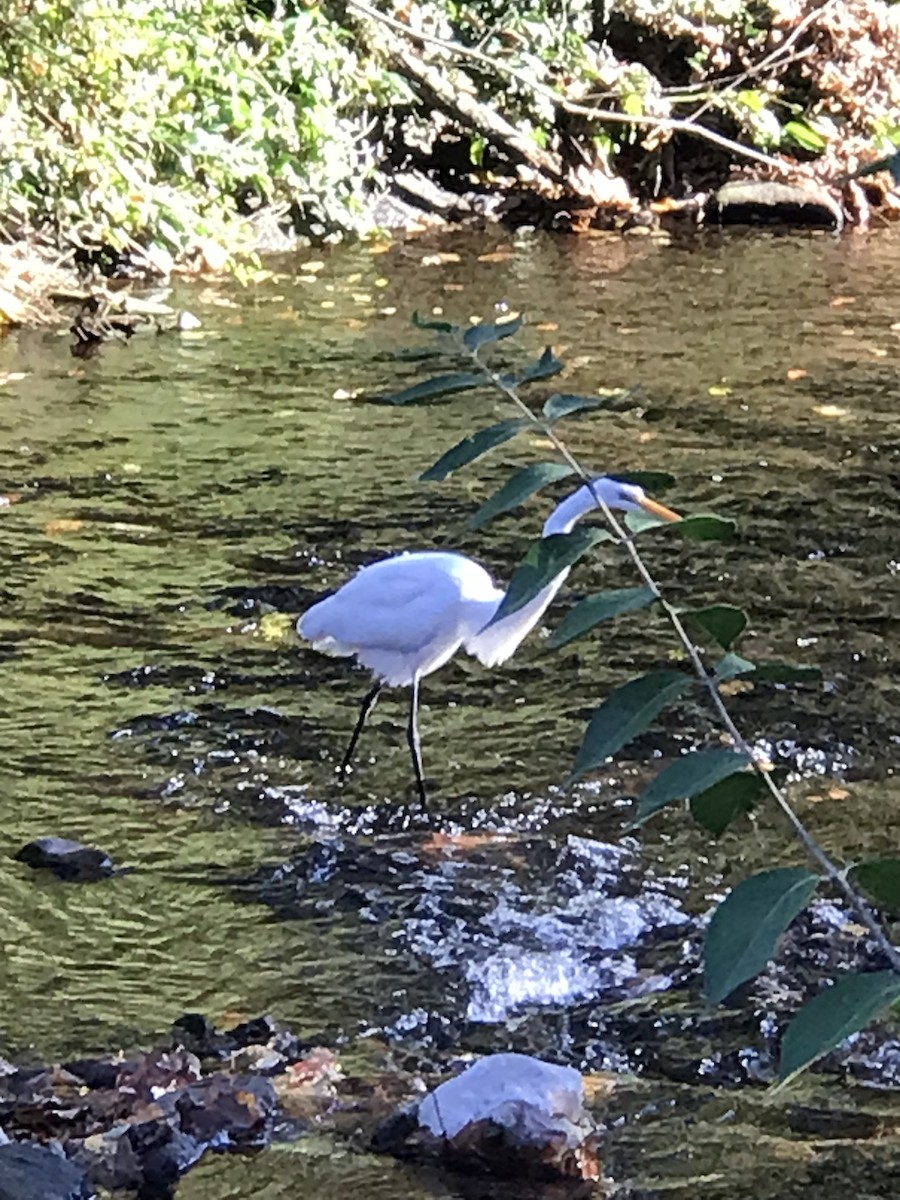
x,y
404,615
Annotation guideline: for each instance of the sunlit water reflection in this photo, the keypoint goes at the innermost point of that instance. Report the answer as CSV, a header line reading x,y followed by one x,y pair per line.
x,y
177,489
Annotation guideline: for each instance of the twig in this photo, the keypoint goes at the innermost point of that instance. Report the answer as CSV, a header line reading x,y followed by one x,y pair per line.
x,y
668,125
771,59
810,844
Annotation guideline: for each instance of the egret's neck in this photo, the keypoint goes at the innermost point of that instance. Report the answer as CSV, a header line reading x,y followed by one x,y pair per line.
x,y
566,516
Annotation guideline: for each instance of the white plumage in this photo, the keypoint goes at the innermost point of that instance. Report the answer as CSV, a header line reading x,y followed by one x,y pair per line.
x,y
406,616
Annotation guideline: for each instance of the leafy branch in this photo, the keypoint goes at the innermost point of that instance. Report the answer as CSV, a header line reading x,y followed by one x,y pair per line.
x,y
719,784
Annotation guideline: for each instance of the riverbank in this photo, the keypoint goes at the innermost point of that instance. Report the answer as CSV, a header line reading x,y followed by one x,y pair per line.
x,y
343,123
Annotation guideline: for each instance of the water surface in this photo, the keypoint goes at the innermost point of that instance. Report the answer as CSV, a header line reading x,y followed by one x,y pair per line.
x,y
176,490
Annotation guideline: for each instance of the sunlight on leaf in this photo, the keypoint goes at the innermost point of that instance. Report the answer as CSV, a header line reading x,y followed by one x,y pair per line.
x,y
566,405
746,927
482,335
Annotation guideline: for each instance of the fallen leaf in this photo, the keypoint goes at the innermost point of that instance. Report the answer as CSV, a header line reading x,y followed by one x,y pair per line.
x,y
9,499
720,390
547,327
830,410
63,525
837,793
496,256
796,373
13,376
313,267
842,301
440,259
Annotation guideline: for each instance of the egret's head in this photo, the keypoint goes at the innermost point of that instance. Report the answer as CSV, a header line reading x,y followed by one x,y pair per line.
x,y
628,496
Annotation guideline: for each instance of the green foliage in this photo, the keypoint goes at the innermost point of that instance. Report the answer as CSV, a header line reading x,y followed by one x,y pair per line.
x,y
722,622
484,334
881,879
730,798
517,490
687,777
435,388
590,612
149,120
746,927
471,448
719,784
847,1006
543,562
628,711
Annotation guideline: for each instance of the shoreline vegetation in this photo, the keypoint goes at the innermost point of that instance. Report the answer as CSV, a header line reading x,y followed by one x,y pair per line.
x,y
194,135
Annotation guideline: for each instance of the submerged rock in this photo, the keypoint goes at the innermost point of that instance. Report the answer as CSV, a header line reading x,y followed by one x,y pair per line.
x,y
31,1172
510,1115
68,860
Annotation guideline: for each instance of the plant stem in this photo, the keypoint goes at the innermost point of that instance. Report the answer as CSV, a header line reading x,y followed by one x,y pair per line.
x,y
811,845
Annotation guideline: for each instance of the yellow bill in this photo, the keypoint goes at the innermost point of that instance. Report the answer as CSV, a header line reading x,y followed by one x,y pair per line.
x,y
658,510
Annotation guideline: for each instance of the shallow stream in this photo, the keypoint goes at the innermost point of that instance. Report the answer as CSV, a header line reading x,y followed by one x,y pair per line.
x,y
178,491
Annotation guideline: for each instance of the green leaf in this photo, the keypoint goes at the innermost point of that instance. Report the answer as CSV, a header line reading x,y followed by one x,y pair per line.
x,y
547,557
723,622
625,713
726,800
429,323
686,777
700,527
805,136
779,672
473,447
517,490
881,879
731,665
438,385
482,335
590,612
837,1012
545,367
746,927
650,481
560,406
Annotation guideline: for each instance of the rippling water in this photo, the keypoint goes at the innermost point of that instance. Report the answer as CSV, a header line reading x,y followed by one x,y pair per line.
x,y
178,489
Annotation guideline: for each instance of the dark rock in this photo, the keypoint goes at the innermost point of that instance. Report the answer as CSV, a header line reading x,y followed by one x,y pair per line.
x,y
31,1172
255,1032
765,202
196,1033
164,1154
223,1110
97,1073
68,860
158,1072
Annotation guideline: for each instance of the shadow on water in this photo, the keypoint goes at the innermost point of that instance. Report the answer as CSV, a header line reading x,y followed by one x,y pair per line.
x,y
177,491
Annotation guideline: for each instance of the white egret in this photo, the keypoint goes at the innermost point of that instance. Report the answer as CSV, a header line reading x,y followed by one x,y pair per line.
x,y
407,615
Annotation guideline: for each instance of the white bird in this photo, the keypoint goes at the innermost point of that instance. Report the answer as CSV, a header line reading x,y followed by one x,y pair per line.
x,y
407,615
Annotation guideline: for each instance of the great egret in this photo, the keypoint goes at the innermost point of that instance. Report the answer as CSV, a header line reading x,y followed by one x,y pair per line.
x,y
407,615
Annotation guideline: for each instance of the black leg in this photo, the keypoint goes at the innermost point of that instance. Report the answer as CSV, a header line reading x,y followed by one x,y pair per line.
x,y
367,705
415,746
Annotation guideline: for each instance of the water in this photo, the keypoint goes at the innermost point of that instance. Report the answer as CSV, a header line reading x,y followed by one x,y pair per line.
x,y
178,489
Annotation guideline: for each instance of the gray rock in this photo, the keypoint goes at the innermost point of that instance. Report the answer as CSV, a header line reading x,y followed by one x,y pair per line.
x,y
535,1100
67,859
754,202
513,1116
32,1172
